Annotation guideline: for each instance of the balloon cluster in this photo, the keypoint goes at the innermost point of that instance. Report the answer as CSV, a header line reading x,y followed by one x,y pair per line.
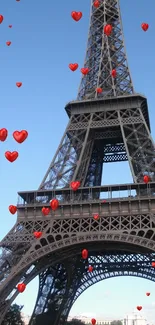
x,y
19,136
8,43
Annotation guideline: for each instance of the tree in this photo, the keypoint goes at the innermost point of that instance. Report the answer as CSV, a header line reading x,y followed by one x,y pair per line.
x,y
13,316
117,322
75,322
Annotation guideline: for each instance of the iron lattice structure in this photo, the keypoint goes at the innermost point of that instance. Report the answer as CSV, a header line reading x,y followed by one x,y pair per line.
x,y
108,127
104,54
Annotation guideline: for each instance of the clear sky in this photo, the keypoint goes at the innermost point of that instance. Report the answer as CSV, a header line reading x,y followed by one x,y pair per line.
x,y
44,41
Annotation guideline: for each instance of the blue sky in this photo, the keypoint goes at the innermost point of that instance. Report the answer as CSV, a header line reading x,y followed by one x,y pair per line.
x,y
44,41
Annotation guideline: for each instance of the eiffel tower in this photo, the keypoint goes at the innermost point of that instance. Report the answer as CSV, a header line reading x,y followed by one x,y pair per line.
x,y
103,127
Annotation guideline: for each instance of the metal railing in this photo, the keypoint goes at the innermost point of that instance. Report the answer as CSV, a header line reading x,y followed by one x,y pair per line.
x,y
96,193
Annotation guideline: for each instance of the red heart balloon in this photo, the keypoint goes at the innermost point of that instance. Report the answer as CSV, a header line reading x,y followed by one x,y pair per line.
x,y
113,73
45,211
37,234
96,4
20,136
99,90
76,15
54,204
10,26
21,287
73,66
153,264
145,26
75,185
96,216
148,294
11,156
84,70
84,254
139,308
12,209
146,179
1,19
18,84
8,43
107,29
3,134
90,268
93,321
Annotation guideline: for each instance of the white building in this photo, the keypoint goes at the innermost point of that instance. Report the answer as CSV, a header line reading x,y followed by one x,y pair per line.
x,y
135,319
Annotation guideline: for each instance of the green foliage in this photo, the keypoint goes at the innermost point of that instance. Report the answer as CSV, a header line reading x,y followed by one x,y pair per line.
x,y
13,316
74,322
117,322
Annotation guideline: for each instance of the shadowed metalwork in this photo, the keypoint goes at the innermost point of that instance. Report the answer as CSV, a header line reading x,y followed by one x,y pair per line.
x,y
103,128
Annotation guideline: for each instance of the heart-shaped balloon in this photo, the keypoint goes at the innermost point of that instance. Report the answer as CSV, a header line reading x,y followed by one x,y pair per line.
x,y
84,70
114,73
37,234
10,26
145,26
146,179
93,321
3,134
1,19
18,84
139,308
45,211
96,216
54,204
21,287
99,90
73,66
8,43
75,185
96,4
12,209
20,136
108,29
11,156
84,254
76,15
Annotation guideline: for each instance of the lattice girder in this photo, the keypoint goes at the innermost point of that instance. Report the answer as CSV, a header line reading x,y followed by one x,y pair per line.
x,y
64,162
112,265
76,225
126,117
104,54
105,266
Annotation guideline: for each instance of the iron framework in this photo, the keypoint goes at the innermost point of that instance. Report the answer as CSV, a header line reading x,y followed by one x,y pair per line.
x,y
105,53
109,127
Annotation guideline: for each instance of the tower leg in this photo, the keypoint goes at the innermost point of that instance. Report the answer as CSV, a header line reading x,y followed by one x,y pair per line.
x,y
57,288
139,144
